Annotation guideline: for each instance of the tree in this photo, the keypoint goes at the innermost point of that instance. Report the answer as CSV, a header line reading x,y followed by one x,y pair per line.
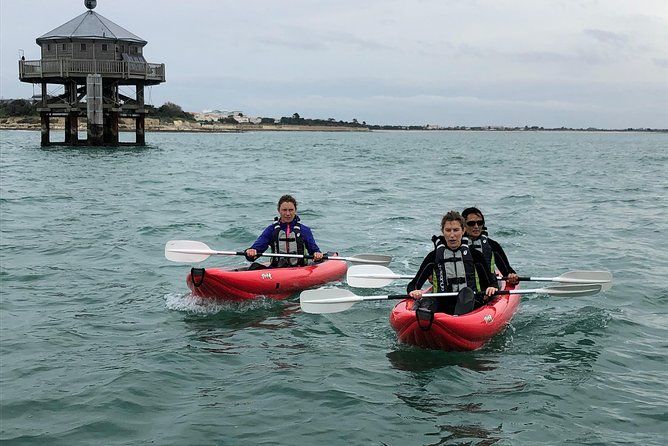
x,y
17,107
171,111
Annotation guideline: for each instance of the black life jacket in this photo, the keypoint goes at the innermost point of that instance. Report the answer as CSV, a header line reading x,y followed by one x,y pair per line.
x,y
482,245
284,243
453,270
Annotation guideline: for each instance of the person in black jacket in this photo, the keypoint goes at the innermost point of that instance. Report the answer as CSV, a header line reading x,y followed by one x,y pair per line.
x,y
452,266
477,238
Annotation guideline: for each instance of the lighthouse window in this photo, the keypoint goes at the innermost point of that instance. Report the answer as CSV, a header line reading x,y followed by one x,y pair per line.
x,y
104,47
48,47
83,47
64,46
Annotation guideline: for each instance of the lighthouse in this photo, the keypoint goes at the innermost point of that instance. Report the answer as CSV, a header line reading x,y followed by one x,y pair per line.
x,y
91,57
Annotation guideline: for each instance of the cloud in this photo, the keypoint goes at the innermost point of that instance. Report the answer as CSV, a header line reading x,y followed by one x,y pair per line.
x,y
310,40
466,62
663,63
607,37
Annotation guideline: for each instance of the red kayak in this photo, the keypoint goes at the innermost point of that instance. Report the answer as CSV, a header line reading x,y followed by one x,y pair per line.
x,y
275,283
469,331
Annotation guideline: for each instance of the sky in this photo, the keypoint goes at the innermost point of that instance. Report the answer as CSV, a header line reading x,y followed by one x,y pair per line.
x,y
572,63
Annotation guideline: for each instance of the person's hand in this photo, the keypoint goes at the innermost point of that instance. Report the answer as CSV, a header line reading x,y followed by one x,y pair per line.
x,y
317,256
415,294
513,279
489,292
251,254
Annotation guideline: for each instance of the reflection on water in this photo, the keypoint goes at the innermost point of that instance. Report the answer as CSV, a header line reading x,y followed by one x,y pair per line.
x,y
418,360
466,435
437,408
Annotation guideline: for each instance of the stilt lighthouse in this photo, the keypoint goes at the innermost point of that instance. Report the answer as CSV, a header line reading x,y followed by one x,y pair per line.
x,y
91,57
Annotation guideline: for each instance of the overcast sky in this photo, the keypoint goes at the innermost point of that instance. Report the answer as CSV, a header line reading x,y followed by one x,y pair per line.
x,y
576,63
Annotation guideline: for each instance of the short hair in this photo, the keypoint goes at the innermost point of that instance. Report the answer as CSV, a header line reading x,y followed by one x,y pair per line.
x,y
472,210
453,216
286,198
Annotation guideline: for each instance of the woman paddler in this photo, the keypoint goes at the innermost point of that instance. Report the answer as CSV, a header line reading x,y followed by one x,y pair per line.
x,y
453,266
286,236
477,238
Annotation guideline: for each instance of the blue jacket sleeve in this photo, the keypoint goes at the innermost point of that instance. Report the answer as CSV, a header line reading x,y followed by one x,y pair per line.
x,y
309,241
263,241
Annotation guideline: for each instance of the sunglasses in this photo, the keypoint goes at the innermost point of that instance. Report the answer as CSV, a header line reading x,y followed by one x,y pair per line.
x,y
473,223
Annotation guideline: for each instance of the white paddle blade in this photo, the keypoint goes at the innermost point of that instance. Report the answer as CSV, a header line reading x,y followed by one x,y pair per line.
x,y
376,259
573,290
327,300
186,251
369,276
604,278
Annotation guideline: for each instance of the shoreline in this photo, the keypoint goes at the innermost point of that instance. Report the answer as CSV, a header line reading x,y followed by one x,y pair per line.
x,y
296,128
154,125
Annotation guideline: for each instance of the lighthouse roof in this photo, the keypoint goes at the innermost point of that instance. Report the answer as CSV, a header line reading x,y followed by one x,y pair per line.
x,y
91,25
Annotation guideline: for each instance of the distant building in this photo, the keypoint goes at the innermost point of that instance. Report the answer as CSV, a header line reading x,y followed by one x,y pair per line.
x,y
215,115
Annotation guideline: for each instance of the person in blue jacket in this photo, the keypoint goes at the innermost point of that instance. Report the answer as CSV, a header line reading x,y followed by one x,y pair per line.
x,y
286,236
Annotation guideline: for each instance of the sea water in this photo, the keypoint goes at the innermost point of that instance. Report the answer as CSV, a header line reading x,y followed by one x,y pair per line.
x,y
101,342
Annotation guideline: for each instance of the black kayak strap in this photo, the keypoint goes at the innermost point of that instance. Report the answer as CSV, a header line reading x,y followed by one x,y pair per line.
x,y
197,276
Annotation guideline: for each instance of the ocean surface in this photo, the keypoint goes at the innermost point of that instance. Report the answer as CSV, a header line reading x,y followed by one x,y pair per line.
x,y
101,342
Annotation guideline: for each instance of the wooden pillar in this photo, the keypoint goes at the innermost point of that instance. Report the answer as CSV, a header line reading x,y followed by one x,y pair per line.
x,y
141,137
111,128
140,95
72,128
69,138
45,102
44,115
68,127
141,131
46,128
110,93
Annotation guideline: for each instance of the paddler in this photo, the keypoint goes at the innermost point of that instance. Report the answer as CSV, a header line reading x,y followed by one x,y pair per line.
x,y
452,266
286,236
476,237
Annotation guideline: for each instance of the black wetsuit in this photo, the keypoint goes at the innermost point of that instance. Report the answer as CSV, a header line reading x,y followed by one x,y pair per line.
x,y
500,258
485,278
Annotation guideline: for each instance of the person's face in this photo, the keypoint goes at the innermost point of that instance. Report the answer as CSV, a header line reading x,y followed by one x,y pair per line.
x,y
287,211
453,232
474,225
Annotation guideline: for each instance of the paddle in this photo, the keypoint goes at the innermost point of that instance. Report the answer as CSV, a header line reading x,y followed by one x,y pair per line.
x,y
604,278
377,276
190,251
372,276
334,300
